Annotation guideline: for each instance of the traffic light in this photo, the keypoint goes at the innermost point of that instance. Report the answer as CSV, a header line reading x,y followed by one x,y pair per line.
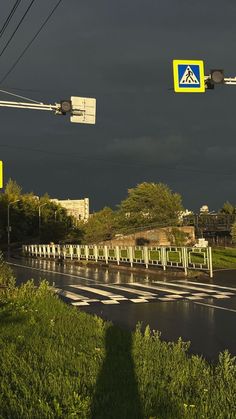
x,y
66,106
217,76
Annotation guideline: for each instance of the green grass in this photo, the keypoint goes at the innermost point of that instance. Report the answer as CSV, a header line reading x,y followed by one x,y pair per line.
x,y
58,362
138,254
197,257
124,253
173,256
155,255
224,258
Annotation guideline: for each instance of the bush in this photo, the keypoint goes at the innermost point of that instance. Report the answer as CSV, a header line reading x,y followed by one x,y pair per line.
x,y
58,362
6,275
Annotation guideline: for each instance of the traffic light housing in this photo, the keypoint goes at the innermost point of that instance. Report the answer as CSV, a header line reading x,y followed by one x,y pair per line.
x,y
66,106
217,76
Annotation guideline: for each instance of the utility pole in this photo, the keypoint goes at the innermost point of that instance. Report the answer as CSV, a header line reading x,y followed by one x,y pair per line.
x,y
40,206
8,226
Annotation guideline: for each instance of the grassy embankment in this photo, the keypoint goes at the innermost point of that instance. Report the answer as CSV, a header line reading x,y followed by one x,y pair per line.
x,y
224,258
58,362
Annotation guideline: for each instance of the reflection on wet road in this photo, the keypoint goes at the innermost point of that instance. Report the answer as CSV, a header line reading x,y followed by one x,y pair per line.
x,y
202,311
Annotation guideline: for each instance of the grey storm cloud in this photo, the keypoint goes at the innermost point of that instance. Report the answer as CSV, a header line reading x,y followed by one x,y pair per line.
x,y
121,53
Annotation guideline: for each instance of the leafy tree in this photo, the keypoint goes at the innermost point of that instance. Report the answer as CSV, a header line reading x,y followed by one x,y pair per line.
x,y
12,190
100,226
178,237
233,233
228,208
24,217
150,203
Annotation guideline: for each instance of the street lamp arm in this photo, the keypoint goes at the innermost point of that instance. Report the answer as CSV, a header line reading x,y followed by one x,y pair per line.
x,y
82,110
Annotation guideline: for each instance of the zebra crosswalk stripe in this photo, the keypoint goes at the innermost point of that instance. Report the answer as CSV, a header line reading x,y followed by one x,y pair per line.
x,y
209,285
184,286
163,289
163,292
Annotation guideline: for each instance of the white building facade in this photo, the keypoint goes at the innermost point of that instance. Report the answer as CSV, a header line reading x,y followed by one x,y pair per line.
x,y
78,208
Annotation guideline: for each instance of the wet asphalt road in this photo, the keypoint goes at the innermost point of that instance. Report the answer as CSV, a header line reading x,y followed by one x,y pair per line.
x,y
202,311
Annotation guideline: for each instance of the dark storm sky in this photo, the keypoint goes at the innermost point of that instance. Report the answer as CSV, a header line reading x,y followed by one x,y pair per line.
x,y
121,52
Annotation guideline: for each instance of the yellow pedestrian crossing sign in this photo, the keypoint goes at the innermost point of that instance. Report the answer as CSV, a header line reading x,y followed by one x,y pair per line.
x,y
188,76
1,174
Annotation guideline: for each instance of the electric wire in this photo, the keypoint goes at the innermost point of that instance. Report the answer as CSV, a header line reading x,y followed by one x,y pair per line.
x,y
17,27
9,17
19,96
30,43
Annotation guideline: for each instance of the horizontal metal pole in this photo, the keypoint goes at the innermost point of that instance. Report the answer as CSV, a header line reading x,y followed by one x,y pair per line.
x,y
227,80
33,106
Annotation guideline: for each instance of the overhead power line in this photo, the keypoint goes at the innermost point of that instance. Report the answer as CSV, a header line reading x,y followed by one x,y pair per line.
x,y
9,17
17,27
19,96
30,43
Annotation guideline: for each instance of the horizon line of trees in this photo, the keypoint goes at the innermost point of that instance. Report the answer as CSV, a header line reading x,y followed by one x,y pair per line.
x,y
54,224
147,205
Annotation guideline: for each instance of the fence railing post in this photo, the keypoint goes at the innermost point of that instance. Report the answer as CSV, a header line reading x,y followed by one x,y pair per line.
x,y
184,253
86,250
163,258
117,255
145,256
106,254
95,253
131,259
210,262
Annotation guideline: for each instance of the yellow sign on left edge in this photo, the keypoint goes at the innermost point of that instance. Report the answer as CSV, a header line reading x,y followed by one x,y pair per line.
x,y
189,76
1,174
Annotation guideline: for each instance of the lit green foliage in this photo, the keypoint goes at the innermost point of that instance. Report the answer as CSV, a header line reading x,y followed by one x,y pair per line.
x,y
224,258
100,226
150,203
233,232
228,208
178,237
58,362
6,275
56,225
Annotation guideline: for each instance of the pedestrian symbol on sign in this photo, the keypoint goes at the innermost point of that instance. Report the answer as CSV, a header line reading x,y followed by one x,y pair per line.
x,y
189,77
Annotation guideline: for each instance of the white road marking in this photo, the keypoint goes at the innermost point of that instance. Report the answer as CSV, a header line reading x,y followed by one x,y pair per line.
x,y
201,294
80,303
159,288
129,290
212,306
209,285
194,298
96,291
119,298
220,296
138,300
165,299
70,295
109,302
184,286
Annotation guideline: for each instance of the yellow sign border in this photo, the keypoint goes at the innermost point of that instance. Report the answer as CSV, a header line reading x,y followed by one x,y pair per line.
x,y
177,88
1,174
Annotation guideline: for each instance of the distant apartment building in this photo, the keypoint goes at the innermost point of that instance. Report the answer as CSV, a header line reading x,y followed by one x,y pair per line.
x,y
78,208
